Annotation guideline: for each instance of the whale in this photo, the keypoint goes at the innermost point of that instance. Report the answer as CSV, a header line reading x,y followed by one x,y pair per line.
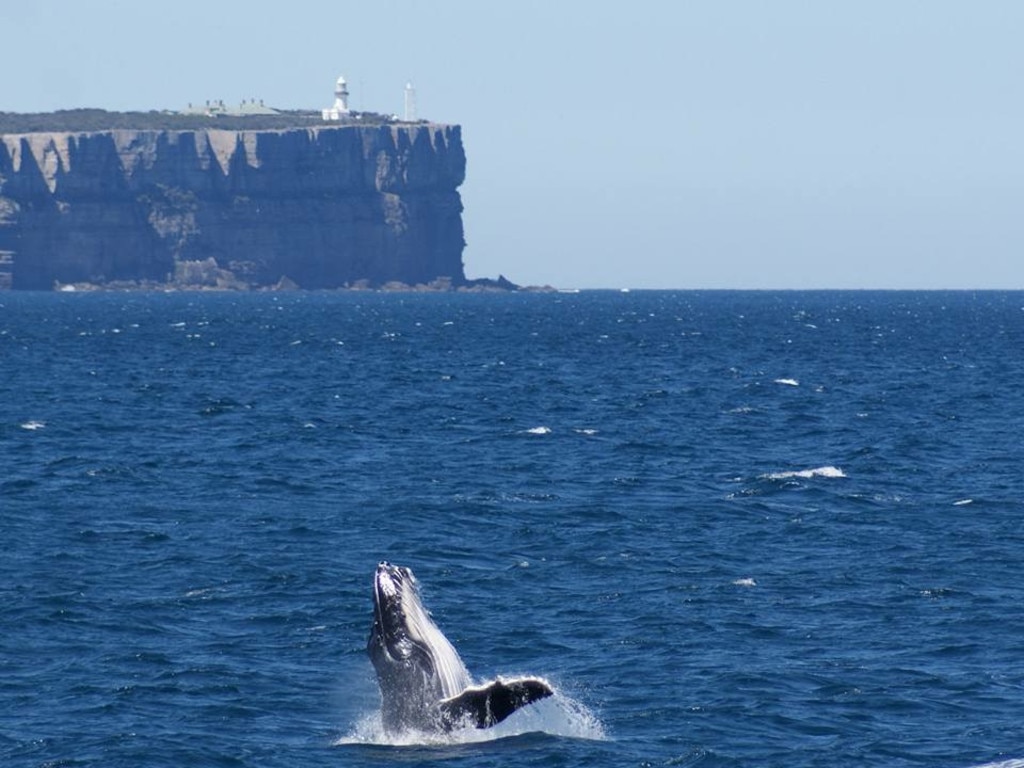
x,y
424,685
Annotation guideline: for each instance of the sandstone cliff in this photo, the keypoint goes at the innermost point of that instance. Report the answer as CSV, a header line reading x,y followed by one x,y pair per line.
x,y
319,207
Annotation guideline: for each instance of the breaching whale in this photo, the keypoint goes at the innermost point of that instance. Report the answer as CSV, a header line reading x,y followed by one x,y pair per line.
x,y
423,683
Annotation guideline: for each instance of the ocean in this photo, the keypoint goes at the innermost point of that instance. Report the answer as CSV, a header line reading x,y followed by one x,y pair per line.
x,y
729,528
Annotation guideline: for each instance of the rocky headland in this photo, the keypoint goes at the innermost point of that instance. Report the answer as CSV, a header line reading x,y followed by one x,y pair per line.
x,y
316,206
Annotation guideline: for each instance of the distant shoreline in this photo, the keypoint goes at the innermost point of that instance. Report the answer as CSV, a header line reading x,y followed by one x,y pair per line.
x,y
477,285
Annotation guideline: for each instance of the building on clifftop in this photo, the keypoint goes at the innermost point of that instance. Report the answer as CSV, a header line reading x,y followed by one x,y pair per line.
x,y
217,108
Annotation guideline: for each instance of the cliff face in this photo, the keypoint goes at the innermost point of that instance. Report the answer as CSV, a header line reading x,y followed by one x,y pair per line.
x,y
320,207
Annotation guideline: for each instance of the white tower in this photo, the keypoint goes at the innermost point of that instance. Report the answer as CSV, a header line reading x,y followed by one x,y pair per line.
x,y
340,108
410,103
341,96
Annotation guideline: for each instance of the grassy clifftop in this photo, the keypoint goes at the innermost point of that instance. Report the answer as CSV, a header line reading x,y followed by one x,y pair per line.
x,y
97,120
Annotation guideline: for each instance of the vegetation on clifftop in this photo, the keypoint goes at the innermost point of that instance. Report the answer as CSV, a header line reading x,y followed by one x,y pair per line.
x,y
96,120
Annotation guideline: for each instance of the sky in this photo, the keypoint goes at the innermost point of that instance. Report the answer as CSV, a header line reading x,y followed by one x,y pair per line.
x,y
772,144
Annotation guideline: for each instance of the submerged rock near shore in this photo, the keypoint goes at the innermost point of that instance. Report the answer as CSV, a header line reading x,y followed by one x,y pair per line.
x,y
310,207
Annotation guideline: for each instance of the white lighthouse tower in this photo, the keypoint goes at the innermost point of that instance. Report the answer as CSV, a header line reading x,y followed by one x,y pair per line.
x,y
340,108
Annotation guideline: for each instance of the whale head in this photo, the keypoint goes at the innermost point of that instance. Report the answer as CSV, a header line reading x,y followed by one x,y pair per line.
x,y
394,588
416,665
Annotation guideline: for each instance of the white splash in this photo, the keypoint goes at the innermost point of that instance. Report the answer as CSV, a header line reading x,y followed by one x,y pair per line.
x,y
539,431
558,715
788,382
828,471
747,582
33,425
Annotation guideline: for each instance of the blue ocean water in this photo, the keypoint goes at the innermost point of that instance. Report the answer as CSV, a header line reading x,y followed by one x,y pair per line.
x,y
732,529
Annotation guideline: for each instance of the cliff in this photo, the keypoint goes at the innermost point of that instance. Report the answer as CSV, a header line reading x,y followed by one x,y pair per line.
x,y
318,207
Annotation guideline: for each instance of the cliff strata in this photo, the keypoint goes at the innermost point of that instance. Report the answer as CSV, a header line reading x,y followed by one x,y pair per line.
x,y
316,207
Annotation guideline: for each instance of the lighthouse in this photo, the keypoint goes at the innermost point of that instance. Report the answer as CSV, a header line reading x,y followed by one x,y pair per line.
x,y
340,108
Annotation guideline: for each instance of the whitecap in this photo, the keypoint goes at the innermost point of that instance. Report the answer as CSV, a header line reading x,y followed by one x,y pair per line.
x,y
827,471
32,424
788,382
541,430
747,582
963,502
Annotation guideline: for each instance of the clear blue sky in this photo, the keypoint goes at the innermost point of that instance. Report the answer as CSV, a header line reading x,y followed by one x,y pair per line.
x,y
675,144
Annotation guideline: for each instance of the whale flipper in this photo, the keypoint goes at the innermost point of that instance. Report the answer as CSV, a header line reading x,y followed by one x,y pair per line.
x,y
482,706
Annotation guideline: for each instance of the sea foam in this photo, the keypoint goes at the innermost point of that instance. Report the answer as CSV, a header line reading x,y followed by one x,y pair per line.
x,y
559,715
